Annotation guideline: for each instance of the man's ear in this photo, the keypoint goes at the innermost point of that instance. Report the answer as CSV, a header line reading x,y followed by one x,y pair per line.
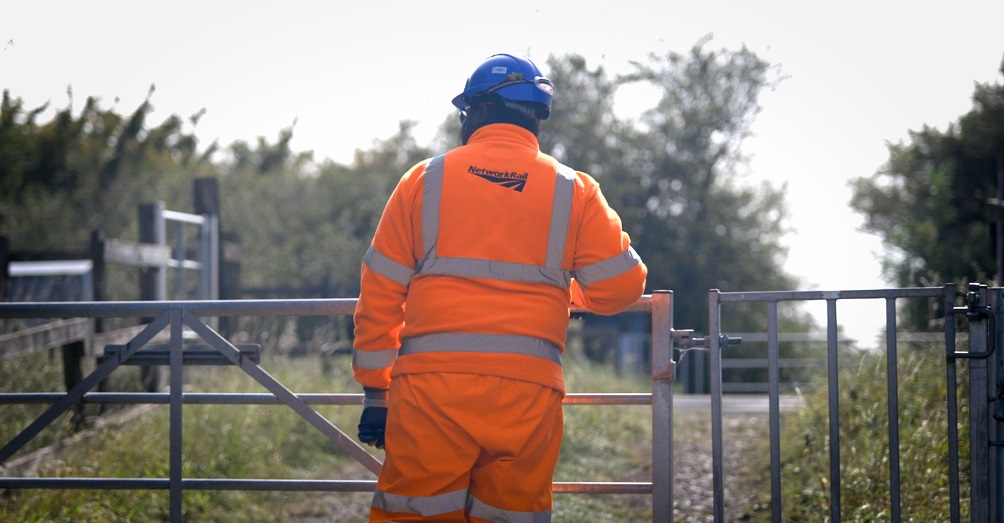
x,y
479,112
477,115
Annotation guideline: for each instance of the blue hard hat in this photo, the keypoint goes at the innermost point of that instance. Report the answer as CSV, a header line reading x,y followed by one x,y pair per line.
x,y
513,78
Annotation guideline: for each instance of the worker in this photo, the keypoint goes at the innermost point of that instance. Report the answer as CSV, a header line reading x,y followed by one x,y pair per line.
x,y
464,305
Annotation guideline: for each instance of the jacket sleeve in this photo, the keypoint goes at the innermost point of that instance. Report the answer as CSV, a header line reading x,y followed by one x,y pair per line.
x,y
386,273
609,276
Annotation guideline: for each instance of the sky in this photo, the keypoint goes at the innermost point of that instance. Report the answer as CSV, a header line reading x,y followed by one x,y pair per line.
x,y
858,75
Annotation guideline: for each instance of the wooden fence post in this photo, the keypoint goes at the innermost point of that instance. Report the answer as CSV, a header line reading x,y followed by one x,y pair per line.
x,y
152,280
73,374
4,270
207,201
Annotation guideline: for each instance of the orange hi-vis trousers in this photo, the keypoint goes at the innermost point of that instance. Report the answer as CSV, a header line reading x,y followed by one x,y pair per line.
x,y
468,447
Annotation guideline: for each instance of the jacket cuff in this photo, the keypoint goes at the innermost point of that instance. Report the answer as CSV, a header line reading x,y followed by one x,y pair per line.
x,y
374,397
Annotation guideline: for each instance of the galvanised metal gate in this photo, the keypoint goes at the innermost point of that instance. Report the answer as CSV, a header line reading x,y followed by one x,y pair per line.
x,y
176,316
983,308
984,311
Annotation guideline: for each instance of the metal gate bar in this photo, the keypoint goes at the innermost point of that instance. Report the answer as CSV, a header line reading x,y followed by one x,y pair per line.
x,y
892,381
250,398
289,485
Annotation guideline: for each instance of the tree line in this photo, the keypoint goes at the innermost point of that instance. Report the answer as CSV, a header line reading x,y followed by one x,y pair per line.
x,y
935,202
672,173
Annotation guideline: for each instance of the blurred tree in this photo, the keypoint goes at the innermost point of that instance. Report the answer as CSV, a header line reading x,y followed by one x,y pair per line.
x,y
79,173
929,202
356,198
267,198
674,175
306,226
698,216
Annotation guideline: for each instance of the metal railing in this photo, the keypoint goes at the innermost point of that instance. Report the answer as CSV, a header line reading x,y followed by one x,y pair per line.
x,y
986,455
176,316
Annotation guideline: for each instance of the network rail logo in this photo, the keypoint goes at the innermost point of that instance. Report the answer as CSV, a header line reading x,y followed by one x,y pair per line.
x,y
509,179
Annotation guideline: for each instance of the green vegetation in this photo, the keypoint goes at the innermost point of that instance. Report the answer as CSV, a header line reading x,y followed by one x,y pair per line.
x,y
864,442
930,201
674,172
43,372
602,443
220,441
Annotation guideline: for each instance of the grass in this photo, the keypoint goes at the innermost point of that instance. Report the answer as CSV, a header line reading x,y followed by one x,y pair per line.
x,y
602,443
219,441
42,372
865,490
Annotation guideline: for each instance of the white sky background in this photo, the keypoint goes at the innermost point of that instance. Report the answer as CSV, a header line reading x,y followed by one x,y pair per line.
x,y
859,75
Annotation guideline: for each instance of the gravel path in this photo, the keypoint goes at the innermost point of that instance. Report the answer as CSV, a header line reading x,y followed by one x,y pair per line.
x,y
745,437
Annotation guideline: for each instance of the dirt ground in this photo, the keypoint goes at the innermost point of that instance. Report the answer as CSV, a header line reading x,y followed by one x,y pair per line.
x,y
745,438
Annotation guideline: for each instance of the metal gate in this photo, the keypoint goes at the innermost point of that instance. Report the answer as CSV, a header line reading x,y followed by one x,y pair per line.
x,y
175,317
983,310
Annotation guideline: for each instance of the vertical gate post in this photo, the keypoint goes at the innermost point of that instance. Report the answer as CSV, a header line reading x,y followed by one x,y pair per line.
x,y
662,405
979,435
995,384
715,382
833,386
175,461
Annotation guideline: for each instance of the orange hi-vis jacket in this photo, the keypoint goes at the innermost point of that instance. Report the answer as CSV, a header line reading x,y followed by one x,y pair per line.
x,y
476,259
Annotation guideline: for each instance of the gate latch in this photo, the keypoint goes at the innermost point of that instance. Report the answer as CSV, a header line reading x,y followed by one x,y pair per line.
x,y
689,342
975,311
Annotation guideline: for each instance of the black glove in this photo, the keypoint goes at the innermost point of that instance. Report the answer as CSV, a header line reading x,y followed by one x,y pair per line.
x,y
371,426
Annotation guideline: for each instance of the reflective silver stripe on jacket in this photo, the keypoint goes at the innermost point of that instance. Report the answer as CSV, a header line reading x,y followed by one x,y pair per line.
x,y
507,271
472,342
424,506
374,359
608,268
479,509
387,267
550,273
561,213
432,191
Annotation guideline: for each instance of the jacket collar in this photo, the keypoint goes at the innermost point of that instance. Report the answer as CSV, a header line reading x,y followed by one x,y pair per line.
x,y
504,132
